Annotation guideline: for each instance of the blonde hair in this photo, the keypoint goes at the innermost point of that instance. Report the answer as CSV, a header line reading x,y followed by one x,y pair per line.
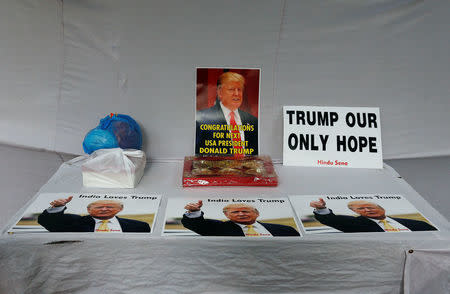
x,y
236,205
356,202
230,77
113,201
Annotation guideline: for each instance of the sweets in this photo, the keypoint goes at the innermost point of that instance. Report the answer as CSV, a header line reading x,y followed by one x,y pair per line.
x,y
226,171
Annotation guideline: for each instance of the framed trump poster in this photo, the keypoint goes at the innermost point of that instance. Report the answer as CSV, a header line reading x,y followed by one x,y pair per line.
x,y
89,213
254,217
358,213
227,111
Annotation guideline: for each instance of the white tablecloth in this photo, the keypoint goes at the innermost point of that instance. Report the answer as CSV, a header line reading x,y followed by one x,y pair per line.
x,y
342,263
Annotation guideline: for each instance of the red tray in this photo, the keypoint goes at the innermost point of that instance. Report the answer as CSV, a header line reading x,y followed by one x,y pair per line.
x,y
224,171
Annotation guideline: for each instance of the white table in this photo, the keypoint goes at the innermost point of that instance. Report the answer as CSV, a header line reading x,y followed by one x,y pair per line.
x,y
339,263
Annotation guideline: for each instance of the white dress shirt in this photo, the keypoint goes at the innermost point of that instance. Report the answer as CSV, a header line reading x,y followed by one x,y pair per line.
x,y
392,222
113,225
237,118
260,229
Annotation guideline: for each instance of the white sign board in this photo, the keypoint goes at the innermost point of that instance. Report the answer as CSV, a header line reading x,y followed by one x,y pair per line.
x,y
332,137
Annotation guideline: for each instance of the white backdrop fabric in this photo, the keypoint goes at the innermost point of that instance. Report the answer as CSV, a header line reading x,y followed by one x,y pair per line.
x,y
67,64
31,52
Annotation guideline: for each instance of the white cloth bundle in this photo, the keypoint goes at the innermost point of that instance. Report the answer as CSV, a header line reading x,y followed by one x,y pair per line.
x,y
114,168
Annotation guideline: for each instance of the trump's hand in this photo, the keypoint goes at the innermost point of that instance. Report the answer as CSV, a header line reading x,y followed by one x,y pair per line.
x,y
318,204
194,206
61,202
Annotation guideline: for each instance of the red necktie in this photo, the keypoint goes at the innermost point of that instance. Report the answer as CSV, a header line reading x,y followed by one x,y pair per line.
x,y
236,136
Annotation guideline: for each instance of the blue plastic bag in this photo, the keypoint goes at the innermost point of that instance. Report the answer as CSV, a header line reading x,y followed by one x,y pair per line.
x,y
115,130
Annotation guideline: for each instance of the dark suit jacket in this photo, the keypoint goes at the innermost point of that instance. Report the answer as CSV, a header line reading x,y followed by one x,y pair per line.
x,y
351,224
60,222
212,227
215,116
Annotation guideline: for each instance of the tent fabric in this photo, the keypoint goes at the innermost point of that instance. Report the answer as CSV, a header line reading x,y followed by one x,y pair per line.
x,y
139,57
429,177
22,173
31,58
427,271
66,64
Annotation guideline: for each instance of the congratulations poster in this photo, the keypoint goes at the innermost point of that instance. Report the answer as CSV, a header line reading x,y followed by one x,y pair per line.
x,y
227,111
